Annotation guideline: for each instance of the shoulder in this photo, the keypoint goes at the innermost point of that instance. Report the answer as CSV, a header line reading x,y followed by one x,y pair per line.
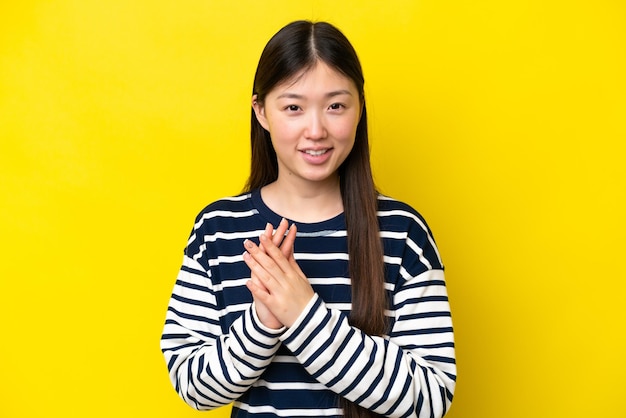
x,y
389,203
228,217
396,214
403,229
230,206
226,213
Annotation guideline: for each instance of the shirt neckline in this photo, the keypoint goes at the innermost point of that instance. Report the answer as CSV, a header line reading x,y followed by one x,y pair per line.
x,y
333,224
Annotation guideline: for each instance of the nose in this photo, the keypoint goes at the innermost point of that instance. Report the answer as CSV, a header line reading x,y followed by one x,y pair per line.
x,y
315,128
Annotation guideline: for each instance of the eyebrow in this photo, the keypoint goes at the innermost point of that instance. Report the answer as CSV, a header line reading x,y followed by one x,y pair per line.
x,y
301,97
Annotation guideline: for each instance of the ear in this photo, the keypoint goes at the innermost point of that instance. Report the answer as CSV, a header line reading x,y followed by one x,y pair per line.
x,y
259,111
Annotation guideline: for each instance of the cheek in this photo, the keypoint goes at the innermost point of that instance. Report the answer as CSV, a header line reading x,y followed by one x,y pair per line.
x,y
282,130
345,131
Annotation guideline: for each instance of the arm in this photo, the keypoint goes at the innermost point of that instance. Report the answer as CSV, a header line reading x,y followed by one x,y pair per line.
x,y
411,373
207,367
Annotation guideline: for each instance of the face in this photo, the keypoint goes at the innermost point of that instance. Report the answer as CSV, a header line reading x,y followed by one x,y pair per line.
x,y
312,120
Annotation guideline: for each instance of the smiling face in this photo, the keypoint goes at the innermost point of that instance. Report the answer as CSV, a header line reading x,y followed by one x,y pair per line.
x,y
312,120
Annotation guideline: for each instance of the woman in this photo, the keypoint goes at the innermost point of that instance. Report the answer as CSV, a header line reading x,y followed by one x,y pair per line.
x,y
294,326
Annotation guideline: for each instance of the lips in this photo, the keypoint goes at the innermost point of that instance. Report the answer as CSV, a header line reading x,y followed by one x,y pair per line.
x,y
316,156
316,153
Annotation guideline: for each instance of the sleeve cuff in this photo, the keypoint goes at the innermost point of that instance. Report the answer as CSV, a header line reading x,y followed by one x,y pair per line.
x,y
303,320
268,332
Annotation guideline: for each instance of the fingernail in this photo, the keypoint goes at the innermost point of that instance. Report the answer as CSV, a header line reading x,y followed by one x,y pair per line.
x,y
263,238
247,243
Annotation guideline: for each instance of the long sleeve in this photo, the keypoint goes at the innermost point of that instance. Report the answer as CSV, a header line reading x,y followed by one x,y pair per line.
x,y
209,367
409,374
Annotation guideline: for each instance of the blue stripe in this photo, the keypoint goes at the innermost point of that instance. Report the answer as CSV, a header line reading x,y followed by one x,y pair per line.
x,y
425,283
422,315
302,324
211,389
405,389
249,337
199,318
429,346
347,367
439,359
392,380
323,347
190,301
365,368
335,356
195,272
424,331
413,301
244,346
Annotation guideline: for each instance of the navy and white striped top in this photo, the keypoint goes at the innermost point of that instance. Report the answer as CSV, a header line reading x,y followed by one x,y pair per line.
x,y
218,352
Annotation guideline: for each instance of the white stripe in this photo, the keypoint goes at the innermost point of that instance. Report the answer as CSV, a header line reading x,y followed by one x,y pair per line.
x,y
329,281
195,294
191,239
237,198
266,409
226,259
290,385
232,235
191,263
224,214
393,235
201,250
327,256
420,252
392,260
397,212
342,281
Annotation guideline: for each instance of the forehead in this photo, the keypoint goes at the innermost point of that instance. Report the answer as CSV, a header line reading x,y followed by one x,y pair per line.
x,y
320,78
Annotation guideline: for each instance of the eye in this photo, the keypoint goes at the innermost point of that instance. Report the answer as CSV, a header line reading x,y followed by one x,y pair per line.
x,y
336,106
292,108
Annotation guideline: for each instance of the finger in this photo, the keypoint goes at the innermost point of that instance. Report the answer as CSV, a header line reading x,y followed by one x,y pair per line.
x,y
269,230
259,293
260,276
264,265
256,260
255,278
287,245
256,287
275,254
279,234
294,265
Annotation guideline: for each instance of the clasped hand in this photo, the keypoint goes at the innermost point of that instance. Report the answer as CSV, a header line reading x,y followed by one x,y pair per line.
x,y
279,288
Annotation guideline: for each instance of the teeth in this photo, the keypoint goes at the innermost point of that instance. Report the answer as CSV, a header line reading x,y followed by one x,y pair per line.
x,y
315,153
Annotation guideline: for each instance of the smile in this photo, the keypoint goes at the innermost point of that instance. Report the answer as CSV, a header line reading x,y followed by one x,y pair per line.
x,y
316,153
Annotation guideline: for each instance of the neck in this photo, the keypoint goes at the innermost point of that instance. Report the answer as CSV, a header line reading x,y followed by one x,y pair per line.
x,y
307,203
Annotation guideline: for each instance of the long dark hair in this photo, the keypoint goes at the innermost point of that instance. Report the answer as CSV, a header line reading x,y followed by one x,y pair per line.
x,y
295,48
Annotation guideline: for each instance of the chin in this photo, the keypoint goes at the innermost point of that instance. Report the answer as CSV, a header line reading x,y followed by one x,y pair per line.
x,y
321,178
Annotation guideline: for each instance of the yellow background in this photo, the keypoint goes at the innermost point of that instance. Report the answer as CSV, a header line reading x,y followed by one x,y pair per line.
x,y
502,122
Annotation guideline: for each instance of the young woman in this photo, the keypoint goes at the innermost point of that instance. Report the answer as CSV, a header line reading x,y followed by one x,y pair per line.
x,y
311,294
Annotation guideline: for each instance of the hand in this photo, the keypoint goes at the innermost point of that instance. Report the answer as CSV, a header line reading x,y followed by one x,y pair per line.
x,y
277,281
265,315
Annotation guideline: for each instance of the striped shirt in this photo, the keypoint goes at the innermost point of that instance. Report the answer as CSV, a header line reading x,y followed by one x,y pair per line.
x,y
218,352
